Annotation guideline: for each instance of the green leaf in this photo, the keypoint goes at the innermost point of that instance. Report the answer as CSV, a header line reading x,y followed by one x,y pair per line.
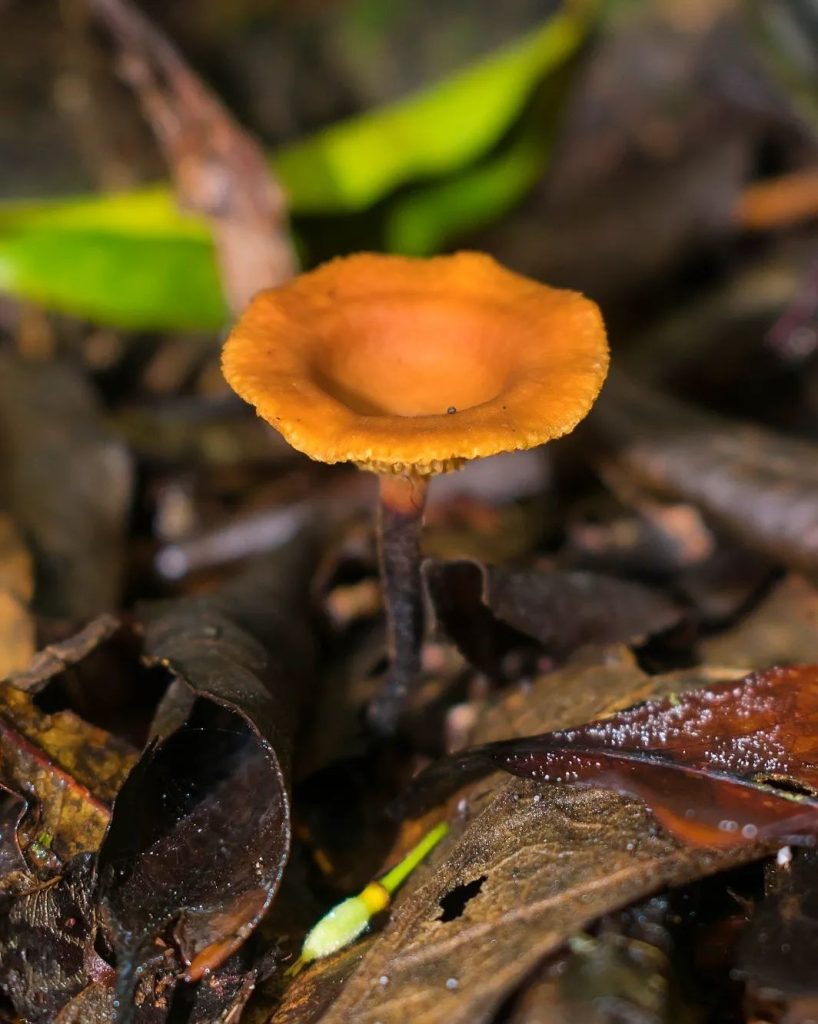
x,y
135,260
785,36
351,166
130,260
422,222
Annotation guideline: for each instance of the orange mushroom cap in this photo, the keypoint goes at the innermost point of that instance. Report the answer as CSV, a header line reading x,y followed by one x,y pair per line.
x,y
411,366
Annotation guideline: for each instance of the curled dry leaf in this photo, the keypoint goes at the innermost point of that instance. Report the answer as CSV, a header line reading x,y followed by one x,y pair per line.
x,y
562,611
200,830
67,482
760,486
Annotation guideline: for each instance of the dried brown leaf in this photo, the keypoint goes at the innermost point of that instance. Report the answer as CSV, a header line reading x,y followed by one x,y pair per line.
x,y
551,866
776,957
561,611
67,482
551,859
760,486
47,942
67,770
200,830
17,640
782,630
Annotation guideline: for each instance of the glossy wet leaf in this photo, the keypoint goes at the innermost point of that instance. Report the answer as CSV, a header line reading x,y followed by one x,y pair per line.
x,y
200,830
134,260
47,943
730,764
12,863
477,605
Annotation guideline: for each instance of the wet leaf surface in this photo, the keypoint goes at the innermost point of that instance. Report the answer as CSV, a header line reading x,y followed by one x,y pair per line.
x,y
223,995
200,831
12,809
62,774
93,1005
47,942
479,605
732,763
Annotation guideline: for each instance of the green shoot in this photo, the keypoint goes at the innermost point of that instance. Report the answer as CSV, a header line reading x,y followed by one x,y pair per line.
x,y
350,918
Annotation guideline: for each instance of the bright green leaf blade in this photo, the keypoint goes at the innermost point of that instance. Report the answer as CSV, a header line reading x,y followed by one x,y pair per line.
x,y
135,260
146,211
125,281
130,260
352,165
421,223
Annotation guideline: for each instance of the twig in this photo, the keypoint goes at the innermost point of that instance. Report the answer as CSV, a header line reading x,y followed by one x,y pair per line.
x,y
219,170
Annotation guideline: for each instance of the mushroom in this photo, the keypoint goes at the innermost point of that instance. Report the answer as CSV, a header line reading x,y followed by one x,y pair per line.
x,y
409,367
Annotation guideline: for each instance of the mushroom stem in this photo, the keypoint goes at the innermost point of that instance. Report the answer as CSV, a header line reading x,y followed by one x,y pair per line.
x,y
400,518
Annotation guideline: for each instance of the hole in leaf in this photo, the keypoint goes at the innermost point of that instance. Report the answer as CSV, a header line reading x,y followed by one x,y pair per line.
x,y
454,903
784,784
110,688
379,668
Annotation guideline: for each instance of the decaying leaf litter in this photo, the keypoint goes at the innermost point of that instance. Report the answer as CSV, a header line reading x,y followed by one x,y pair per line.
x,y
191,623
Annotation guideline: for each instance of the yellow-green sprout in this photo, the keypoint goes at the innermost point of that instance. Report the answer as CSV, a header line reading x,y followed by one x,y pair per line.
x,y
350,918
